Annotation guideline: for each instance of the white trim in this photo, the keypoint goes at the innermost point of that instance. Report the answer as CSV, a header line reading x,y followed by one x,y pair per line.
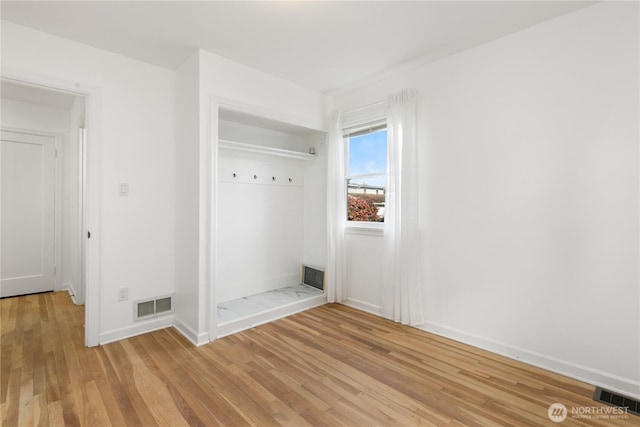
x,y
136,329
375,229
205,220
77,132
268,316
186,331
68,287
93,126
579,372
363,306
212,307
57,210
259,149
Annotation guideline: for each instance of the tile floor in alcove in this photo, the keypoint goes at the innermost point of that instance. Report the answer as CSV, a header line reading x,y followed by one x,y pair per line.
x,y
229,311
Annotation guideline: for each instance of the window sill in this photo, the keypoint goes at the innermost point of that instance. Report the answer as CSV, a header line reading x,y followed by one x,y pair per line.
x,y
365,228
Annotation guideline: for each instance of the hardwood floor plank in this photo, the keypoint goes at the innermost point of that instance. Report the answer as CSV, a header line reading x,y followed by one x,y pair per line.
x,y
143,345
56,417
96,413
205,401
114,386
329,366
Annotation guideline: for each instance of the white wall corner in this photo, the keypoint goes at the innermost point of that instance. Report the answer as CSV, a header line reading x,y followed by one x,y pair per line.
x,y
194,337
595,377
137,328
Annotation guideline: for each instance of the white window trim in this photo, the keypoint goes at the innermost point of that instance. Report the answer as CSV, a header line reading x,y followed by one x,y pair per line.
x,y
362,227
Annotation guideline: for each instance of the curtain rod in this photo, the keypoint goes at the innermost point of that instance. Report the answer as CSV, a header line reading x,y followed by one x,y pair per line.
x,y
375,104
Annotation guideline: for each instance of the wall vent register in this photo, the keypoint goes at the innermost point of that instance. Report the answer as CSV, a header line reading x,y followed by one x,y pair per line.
x,y
147,309
614,399
313,277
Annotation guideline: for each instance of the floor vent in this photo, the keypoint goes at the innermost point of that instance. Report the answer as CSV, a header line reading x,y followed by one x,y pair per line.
x,y
150,308
313,277
614,399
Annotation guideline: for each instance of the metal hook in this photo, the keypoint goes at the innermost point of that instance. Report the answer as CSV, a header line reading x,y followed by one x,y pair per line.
x,y
290,179
273,178
255,176
234,175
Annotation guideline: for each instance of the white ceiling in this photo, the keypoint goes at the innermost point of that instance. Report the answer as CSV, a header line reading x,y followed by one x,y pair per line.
x,y
320,45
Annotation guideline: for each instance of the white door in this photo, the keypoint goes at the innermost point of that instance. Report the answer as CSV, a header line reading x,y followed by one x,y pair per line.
x,y
27,213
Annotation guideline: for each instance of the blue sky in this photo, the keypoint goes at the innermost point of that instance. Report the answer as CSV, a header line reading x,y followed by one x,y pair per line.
x,y
368,154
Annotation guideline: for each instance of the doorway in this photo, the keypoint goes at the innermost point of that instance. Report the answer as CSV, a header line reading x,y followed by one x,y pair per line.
x,y
44,194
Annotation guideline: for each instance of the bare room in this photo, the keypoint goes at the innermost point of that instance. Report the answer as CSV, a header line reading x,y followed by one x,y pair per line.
x,y
331,213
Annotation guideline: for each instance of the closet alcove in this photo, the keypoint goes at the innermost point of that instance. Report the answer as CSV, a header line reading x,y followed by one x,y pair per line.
x,y
270,215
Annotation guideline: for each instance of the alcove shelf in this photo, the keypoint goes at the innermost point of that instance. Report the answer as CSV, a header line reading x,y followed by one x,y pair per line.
x,y
226,144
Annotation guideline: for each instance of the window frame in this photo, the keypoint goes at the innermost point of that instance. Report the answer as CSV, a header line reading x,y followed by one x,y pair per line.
x,y
372,126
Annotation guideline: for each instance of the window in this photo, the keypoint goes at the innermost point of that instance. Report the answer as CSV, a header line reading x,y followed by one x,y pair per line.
x,y
366,174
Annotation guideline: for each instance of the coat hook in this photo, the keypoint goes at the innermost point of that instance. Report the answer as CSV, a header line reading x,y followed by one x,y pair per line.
x,y
234,175
290,180
255,176
273,178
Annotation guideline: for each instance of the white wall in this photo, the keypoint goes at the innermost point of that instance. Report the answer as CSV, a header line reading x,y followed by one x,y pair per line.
x,y
364,260
187,162
314,214
137,140
260,233
530,194
314,171
258,92
250,134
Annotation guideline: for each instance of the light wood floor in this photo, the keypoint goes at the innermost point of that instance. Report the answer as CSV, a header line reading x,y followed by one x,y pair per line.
x,y
329,366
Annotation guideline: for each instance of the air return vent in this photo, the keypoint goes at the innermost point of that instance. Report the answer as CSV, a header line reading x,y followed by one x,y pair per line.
x,y
614,399
313,277
150,308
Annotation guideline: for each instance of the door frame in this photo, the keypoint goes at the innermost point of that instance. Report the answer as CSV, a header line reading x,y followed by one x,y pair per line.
x,y
92,259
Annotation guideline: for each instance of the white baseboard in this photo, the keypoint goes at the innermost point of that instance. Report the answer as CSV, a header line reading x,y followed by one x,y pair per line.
x,y
68,287
596,377
364,306
138,328
195,338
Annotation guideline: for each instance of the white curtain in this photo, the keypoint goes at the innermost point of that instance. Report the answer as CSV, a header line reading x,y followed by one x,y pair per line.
x,y
335,271
402,295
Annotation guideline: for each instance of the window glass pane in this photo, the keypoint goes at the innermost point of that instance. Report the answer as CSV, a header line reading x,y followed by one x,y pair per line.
x,y
366,198
368,153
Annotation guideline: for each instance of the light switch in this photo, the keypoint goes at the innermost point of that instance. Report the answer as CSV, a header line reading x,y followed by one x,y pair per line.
x,y
124,189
